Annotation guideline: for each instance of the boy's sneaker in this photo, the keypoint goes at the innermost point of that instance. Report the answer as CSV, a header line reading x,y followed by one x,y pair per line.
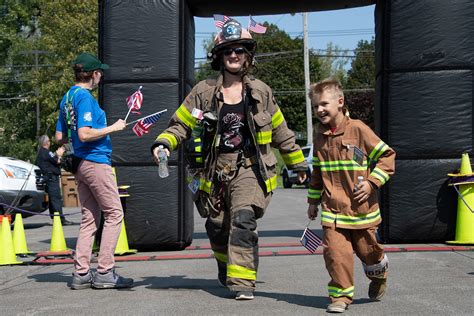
x,y
111,280
80,282
377,289
337,307
244,295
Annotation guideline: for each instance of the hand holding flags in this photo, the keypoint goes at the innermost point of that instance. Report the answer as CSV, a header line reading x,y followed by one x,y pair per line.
x,y
144,124
134,102
310,240
256,27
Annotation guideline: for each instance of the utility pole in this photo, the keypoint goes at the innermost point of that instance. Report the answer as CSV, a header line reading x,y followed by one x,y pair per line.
x,y
309,115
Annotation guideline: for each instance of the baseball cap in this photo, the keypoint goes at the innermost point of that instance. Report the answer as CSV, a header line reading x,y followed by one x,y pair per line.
x,y
89,62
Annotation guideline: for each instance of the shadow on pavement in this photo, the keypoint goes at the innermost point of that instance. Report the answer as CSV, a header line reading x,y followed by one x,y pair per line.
x,y
271,233
51,277
180,282
320,302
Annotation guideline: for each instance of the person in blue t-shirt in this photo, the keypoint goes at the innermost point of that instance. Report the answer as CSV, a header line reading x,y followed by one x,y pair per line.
x,y
83,124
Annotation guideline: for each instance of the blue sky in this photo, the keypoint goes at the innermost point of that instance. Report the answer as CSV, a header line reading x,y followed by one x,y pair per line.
x,y
343,28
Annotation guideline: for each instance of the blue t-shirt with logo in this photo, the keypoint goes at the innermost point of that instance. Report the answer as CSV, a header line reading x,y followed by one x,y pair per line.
x,y
86,112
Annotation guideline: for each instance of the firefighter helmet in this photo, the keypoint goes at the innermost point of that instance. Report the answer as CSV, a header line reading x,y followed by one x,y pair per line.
x,y
232,33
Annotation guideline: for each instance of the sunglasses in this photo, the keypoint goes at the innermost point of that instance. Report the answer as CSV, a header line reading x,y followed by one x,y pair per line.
x,y
237,51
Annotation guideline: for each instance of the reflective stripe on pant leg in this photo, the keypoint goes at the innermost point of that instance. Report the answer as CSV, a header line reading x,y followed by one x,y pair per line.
x,y
339,260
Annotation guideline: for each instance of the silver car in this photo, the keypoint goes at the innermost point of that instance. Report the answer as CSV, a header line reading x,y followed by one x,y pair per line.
x,y
291,177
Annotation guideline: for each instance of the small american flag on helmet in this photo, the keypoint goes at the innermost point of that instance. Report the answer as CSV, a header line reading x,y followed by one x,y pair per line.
x,y
219,20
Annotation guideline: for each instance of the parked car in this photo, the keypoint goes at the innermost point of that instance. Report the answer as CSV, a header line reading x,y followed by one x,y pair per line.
x,y
290,177
21,181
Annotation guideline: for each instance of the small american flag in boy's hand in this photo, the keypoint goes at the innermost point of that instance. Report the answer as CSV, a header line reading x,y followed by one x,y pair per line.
x,y
310,240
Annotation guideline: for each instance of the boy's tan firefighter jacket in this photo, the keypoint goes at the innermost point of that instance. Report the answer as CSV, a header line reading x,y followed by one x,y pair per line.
x,y
335,173
266,123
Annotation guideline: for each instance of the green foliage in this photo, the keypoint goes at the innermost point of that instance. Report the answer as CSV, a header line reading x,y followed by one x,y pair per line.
x,y
48,34
362,72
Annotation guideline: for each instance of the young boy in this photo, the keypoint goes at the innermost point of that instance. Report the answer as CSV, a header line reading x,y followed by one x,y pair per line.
x,y
350,163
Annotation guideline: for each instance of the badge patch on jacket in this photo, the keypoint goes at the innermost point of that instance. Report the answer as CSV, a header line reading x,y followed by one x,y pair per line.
x,y
358,156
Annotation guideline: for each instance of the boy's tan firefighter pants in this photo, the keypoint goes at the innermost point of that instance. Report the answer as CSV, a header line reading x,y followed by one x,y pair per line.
x,y
233,233
338,247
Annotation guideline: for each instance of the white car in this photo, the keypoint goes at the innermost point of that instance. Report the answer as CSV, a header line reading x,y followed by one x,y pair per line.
x,y
18,186
291,177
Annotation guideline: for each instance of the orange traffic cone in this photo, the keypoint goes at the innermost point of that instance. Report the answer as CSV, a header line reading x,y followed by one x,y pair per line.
x,y
58,242
7,251
122,243
19,237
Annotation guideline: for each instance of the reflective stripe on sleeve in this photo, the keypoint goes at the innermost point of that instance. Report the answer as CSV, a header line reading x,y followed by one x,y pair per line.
x,y
293,158
170,138
378,150
222,257
183,114
339,165
314,194
380,174
205,185
277,119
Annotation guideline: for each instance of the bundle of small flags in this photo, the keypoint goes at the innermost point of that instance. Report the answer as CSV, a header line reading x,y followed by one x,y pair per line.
x,y
310,240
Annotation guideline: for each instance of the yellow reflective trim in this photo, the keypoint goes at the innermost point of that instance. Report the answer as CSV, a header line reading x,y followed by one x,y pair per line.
x,y
360,219
197,149
170,138
183,114
380,174
199,159
205,185
264,137
314,194
197,140
222,257
271,184
239,272
338,292
378,150
277,119
293,158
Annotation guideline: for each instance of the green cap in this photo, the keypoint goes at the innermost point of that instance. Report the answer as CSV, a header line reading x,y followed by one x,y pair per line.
x,y
90,62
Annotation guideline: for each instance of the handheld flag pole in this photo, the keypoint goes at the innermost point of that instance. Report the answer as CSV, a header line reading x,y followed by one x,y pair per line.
x,y
131,102
142,118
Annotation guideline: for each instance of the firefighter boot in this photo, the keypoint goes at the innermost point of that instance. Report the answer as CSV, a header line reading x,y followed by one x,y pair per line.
x,y
377,289
337,307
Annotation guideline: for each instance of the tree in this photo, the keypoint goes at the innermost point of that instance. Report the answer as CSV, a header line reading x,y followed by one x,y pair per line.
x,y
360,97
54,33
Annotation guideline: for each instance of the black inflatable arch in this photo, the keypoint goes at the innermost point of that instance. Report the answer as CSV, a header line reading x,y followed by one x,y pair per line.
x,y
424,102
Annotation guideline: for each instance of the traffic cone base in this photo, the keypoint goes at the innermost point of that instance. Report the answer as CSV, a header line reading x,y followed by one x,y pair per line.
x,y
58,242
465,217
7,250
19,237
122,243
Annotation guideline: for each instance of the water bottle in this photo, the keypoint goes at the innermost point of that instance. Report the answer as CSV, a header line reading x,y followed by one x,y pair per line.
x,y
360,179
163,167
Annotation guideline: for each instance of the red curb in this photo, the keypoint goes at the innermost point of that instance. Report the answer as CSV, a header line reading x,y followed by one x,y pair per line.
x,y
134,258
266,253
393,249
50,261
448,248
186,256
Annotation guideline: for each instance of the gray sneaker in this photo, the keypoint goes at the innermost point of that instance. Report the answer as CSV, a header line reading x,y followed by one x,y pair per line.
x,y
80,282
111,280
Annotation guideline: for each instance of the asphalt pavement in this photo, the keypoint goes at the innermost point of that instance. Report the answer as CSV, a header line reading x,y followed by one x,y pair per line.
x,y
424,279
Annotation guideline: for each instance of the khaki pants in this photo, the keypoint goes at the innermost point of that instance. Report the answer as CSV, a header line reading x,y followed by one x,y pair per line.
x,y
233,233
98,194
339,247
